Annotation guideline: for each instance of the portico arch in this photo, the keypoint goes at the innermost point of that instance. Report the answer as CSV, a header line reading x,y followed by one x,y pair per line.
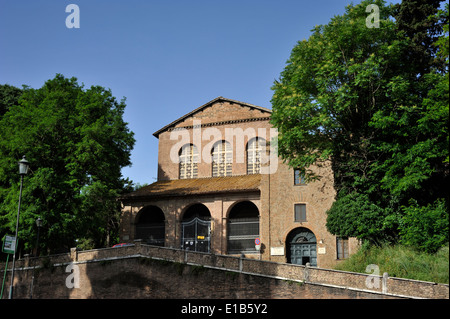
x,y
243,227
196,228
150,225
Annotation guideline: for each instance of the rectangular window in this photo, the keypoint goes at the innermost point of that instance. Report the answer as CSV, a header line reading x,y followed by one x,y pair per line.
x,y
299,178
300,213
342,247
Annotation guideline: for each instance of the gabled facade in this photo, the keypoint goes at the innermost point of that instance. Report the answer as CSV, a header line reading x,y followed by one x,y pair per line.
x,y
221,188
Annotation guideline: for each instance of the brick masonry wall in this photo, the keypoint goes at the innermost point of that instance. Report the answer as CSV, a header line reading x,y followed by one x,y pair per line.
x,y
143,271
275,199
278,197
237,134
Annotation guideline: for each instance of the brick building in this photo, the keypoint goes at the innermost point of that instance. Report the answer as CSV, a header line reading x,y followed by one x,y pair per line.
x,y
221,186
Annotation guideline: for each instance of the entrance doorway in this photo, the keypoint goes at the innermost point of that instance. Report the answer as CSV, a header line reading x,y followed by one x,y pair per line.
x,y
301,247
196,229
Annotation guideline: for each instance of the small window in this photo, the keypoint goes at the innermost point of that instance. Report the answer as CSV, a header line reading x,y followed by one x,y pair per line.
x,y
342,247
300,213
299,178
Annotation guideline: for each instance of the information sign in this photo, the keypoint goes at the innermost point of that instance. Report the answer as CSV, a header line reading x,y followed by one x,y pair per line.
x,y
9,244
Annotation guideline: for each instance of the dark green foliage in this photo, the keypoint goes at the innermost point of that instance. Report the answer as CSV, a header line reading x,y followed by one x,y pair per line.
x,y
76,142
425,227
354,215
9,96
374,102
420,23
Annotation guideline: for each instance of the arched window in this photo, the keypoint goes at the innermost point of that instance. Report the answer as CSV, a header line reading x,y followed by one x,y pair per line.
x,y
243,228
188,159
254,150
222,158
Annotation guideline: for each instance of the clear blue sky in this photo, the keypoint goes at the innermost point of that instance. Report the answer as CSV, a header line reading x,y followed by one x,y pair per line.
x,y
166,57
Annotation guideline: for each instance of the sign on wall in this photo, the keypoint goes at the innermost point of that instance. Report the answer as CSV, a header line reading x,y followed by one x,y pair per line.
x,y
9,244
277,251
257,244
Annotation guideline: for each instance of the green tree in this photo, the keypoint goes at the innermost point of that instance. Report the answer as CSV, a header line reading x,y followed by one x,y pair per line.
x,y
354,215
353,95
76,142
413,130
9,96
425,227
420,23
330,89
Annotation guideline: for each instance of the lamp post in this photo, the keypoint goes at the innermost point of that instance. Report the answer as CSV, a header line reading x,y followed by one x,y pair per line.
x,y
39,225
23,170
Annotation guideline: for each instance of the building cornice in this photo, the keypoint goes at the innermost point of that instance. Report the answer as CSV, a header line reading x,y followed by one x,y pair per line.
x,y
187,127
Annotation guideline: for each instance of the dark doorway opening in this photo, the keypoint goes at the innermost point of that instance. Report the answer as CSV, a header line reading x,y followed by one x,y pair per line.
x,y
150,226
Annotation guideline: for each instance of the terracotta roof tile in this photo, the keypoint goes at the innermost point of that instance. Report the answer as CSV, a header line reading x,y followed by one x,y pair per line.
x,y
196,186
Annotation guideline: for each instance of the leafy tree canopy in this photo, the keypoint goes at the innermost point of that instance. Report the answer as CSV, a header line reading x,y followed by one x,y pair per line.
x,y
76,142
9,95
374,102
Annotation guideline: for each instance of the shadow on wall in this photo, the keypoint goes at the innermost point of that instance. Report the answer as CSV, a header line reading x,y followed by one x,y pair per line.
x,y
143,271
162,176
145,278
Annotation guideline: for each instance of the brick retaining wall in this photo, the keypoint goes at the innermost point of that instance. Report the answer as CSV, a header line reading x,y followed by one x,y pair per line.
x,y
143,271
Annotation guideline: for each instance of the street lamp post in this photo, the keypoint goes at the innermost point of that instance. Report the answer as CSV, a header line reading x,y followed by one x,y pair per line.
x,y
39,225
23,170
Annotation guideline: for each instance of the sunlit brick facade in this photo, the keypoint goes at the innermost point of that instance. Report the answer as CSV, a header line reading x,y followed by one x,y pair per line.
x,y
221,186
